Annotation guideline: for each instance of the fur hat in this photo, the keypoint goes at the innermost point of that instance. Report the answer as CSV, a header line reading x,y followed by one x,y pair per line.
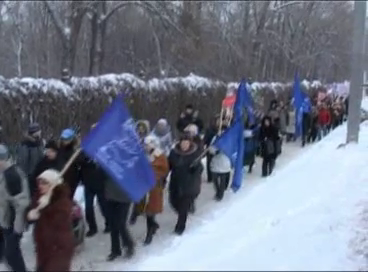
x,y
51,176
54,178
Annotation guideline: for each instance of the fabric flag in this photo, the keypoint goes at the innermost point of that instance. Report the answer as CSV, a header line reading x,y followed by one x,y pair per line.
x,y
302,104
231,142
115,145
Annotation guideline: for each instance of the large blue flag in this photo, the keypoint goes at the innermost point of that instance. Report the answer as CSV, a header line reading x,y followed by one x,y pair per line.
x,y
231,142
115,145
302,104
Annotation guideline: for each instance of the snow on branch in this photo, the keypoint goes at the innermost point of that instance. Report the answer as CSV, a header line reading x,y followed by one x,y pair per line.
x,y
112,84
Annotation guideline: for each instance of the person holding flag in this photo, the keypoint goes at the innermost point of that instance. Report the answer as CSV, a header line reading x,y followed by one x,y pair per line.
x,y
115,145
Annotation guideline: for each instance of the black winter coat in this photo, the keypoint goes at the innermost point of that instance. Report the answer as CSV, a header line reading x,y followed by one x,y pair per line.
x,y
269,141
185,178
72,175
183,122
92,175
44,164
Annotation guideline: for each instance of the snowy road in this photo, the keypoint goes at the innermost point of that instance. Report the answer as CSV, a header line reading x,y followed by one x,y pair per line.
x,y
96,249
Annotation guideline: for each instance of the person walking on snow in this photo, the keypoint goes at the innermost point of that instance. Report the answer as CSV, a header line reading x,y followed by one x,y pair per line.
x,y
68,145
185,184
163,133
268,137
117,206
30,152
52,216
220,168
154,202
14,201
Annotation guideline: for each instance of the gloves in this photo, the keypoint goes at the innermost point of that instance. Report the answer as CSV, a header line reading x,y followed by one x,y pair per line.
x,y
192,169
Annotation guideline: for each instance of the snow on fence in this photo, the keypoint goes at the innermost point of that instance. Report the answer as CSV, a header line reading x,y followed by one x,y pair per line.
x,y
56,105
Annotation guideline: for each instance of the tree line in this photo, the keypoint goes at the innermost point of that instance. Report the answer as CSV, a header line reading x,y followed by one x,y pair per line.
x,y
227,40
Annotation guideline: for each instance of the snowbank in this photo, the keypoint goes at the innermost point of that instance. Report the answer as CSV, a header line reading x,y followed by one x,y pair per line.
x,y
301,218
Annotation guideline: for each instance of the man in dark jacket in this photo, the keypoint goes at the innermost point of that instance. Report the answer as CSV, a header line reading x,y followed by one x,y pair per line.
x,y
117,206
185,118
93,177
30,152
14,201
68,146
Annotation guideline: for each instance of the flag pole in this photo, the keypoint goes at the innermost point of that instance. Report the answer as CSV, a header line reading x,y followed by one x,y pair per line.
x,y
70,161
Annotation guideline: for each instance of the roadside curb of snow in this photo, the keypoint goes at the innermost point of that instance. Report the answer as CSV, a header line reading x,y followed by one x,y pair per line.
x,y
359,242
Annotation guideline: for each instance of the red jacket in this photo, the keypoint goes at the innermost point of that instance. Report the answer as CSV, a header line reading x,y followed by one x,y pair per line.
x,y
324,117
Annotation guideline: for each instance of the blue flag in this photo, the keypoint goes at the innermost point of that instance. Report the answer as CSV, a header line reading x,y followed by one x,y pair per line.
x,y
302,104
231,142
115,145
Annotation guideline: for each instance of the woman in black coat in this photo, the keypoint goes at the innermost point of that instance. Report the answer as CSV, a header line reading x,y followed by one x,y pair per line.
x,y
269,141
185,182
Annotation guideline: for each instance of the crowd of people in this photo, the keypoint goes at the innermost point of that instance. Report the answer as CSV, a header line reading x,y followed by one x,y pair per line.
x,y
35,189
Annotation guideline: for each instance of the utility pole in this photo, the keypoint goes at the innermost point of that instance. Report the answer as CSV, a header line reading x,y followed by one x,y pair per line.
x,y
356,77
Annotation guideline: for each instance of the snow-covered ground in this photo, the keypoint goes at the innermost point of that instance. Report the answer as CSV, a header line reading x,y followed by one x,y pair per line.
x,y
96,249
307,216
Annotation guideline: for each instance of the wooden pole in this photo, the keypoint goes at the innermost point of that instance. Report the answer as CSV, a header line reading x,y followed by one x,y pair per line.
x,y
220,125
70,161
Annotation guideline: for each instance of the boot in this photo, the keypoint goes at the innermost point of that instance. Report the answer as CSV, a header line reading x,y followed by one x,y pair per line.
x,y
91,233
152,228
107,229
113,256
133,218
192,207
129,253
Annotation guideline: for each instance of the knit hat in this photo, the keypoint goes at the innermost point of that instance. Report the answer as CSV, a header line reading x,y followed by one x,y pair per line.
x,y
67,134
4,153
52,145
33,128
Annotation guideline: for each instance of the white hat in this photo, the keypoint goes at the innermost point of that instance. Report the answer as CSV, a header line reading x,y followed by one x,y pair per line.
x,y
51,176
152,141
192,129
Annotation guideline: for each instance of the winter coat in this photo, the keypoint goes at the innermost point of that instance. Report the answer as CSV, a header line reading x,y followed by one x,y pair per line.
x,y
42,166
211,132
113,192
324,117
185,180
269,140
154,203
220,163
290,129
199,123
72,175
183,122
275,117
283,119
165,139
250,145
14,198
29,153
92,175
53,233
